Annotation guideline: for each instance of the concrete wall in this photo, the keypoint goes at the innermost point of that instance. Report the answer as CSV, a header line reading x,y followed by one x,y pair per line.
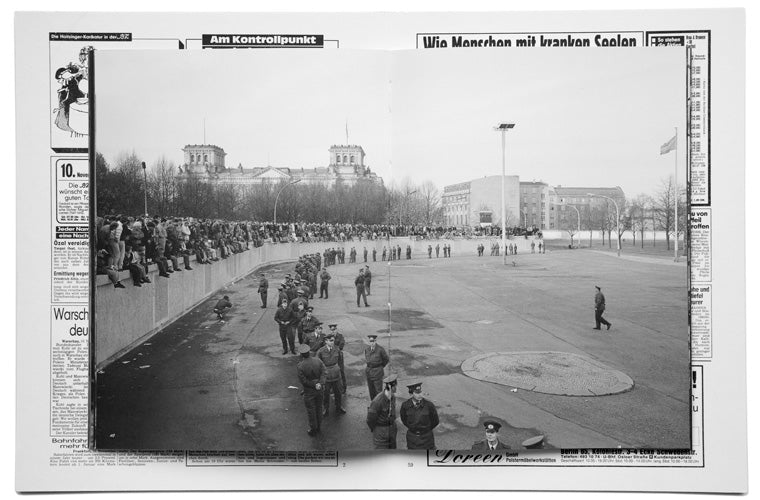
x,y
123,318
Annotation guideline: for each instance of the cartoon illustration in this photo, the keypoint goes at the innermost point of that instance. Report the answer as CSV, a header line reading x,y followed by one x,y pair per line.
x,y
72,111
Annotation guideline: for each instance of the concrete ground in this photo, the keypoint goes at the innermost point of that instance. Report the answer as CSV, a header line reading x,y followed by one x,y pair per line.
x,y
205,385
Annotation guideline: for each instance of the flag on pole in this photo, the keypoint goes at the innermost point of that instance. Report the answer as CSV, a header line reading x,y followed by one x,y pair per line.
x,y
668,146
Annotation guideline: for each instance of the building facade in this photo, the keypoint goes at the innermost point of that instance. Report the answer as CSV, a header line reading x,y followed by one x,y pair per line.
x,y
477,202
593,209
206,162
535,205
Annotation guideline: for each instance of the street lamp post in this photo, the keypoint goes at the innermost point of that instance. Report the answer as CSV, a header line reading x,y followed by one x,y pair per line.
x,y
579,221
277,198
503,128
617,216
406,206
145,190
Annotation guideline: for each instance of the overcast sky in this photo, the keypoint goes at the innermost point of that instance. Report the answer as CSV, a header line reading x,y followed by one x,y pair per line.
x,y
593,117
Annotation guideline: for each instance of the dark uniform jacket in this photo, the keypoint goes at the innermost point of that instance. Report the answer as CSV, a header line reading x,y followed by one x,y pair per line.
x,y
367,276
308,323
263,285
293,306
283,317
599,301
376,361
483,446
419,420
382,411
332,358
325,276
311,371
359,282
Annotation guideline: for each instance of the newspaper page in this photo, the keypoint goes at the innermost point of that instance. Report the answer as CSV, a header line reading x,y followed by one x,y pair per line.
x,y
53,147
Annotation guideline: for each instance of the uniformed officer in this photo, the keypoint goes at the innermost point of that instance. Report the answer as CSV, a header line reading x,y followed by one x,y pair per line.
x,y
491,442
299,299
385,253
376,359
430,251
361,293
599,306
281,295
437,249
311,374
367,280
340,343
374,255
331,357
325,277
308,321
381,416
283,317
263,289
365,254
420,418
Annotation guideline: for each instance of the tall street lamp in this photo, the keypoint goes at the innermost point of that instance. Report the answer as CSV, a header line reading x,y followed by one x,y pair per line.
x,y
406,204
503,128
276,199
617,216
579,221
145,190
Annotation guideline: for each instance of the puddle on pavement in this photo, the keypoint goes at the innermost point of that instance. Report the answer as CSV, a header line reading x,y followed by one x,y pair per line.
x,y
402,319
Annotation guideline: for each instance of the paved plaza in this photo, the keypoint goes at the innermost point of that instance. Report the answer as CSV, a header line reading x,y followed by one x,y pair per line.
x,y
514,343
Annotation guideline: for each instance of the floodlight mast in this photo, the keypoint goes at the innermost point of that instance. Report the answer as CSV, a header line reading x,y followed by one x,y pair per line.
x,y
503,128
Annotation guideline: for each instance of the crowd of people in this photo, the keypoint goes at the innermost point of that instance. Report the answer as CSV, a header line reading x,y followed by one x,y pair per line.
x,y
133,243
126,243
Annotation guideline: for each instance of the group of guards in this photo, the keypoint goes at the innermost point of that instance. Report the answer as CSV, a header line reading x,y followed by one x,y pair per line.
x,y
321,370
511,249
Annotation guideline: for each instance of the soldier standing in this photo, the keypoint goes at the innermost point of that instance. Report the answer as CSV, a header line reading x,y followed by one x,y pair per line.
x,y
437,249
283,317
360,292
376,359
263,290
331,357
430,251
408,252
367,280
365,254
385,253
281,294
324,276
381,416
374,255
340,343
420,417
312,281
308,322
311,374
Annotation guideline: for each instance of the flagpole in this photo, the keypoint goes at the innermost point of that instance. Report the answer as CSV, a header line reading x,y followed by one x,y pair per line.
x,y
675,203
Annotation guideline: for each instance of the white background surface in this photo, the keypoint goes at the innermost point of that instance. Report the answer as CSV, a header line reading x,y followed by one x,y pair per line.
x,y
9,212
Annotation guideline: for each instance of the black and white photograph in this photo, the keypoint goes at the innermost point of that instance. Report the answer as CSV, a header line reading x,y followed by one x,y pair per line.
x,y
365,250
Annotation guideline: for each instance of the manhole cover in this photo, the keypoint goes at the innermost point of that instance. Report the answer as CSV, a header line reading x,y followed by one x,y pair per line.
x,y
548,372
